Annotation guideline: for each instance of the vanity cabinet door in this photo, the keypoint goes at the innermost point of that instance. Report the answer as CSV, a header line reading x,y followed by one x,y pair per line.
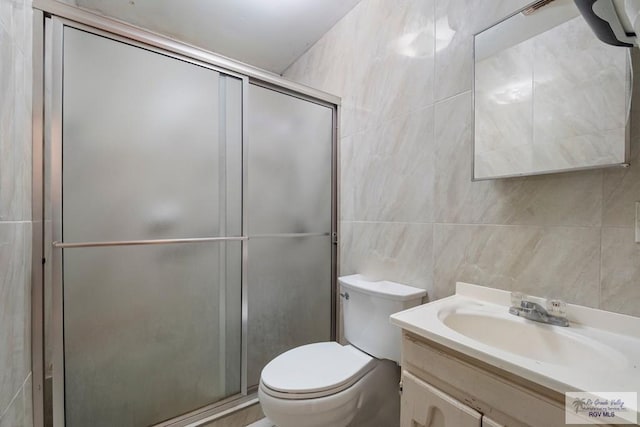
x,y
488,422
422,405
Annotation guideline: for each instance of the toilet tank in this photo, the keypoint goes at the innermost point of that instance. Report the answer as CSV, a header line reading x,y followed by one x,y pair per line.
x,y
366,307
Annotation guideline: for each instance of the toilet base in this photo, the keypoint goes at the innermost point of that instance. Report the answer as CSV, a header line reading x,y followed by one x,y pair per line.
x,y
381,398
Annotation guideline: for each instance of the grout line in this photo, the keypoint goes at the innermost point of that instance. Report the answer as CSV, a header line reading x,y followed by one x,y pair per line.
x,y
522,225
388,119
600,251
432,270
619,227
435,56
430,296
451,97
600,269
477,224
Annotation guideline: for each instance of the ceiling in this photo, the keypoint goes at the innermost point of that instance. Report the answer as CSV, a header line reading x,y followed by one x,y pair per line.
x,y
269,34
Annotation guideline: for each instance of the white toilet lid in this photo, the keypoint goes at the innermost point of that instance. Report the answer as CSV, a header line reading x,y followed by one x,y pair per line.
x,y
313,368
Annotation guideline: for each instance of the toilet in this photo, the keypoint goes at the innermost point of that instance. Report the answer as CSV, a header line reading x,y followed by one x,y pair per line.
x,y
327,384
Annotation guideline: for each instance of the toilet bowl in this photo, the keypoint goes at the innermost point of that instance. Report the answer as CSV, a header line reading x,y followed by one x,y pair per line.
x,y
330,385
315,385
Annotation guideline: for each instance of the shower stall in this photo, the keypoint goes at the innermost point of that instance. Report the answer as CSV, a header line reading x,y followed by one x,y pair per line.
x,y
189,223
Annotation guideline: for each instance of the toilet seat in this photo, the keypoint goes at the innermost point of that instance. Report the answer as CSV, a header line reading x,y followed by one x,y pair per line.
x,y
314,370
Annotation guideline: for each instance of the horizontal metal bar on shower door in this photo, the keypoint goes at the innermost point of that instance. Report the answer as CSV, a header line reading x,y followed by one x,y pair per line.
x,y
264,236
64,245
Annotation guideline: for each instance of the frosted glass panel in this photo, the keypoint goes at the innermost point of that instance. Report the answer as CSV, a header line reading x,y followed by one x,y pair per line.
x,y
145,339
152,149
289,164
289,297
143,144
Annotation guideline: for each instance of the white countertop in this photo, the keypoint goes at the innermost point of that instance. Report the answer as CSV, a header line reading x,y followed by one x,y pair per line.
x,y
613,365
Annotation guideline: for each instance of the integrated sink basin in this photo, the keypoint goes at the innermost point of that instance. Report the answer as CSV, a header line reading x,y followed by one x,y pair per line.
x,y
598,351
535,341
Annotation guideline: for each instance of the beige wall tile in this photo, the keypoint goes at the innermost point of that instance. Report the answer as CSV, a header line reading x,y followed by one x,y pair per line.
x,y
27,398
538,234
15,333
622,185
19,413
398,252
560,262
379,59
13,415
620,271
621,192
380,185
560,199
15,114
456,21
15,212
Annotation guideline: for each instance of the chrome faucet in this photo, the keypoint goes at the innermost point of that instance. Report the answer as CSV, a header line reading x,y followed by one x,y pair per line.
x,y
534,311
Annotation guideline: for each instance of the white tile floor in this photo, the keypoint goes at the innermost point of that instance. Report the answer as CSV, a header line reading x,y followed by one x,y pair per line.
x,y
262,423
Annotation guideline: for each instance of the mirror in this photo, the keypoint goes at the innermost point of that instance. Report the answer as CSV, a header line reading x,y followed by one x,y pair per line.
x,y
548,95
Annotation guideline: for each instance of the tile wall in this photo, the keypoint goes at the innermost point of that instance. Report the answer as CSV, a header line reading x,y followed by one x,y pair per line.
x,y
15,213
409,210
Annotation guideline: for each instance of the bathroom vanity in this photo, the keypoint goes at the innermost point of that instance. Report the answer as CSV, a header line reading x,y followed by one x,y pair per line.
x,y
467,362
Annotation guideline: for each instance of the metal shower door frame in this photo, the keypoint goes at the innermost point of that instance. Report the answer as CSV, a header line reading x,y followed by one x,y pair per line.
x,y
50,18
54,45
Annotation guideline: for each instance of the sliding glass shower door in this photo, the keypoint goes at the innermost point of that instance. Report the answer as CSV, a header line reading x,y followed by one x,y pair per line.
x,y
191,216
289,200
150,225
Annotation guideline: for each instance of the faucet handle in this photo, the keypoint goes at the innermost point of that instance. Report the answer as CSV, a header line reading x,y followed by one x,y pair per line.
x,y
557,307
517,298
